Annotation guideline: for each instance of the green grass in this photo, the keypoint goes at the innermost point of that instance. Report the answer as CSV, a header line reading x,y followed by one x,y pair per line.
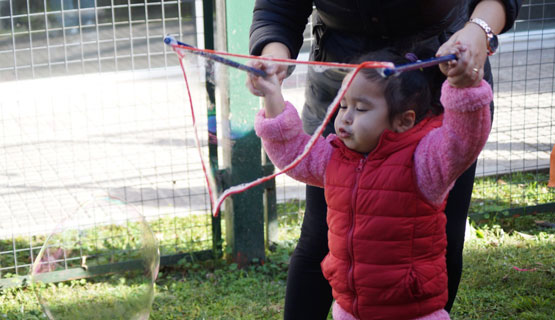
x,y
113,298
508,274
490,288
110,244
520,189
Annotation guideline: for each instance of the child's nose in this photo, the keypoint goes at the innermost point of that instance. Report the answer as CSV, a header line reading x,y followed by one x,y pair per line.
x,y
347,116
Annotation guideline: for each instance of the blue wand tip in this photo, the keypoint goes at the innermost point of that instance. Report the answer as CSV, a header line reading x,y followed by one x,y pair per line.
x,y
388,72
169,40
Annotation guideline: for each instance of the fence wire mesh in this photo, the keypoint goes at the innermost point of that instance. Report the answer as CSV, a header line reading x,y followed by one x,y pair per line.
x,y
515,161
41,38
92,106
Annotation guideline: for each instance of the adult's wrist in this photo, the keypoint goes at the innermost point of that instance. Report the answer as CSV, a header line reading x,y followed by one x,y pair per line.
x,y
276,50
492,43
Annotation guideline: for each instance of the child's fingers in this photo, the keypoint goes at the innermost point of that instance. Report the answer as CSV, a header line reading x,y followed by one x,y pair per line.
x,y
257,64
260,86
251,85
253,63
252,79
270,69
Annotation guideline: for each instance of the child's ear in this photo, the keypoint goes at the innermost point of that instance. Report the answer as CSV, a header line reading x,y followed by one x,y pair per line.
x,y
404,121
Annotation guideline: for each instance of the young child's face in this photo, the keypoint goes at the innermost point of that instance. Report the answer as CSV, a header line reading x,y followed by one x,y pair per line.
x,y
362,116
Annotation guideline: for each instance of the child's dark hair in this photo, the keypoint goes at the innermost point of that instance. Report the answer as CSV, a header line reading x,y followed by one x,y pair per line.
x,y
416,90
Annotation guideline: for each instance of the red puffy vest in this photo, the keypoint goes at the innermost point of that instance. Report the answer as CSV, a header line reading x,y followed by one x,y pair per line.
x,y
387,242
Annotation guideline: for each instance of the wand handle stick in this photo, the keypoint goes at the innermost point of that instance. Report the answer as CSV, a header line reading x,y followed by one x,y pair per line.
x,y
419,64
171,41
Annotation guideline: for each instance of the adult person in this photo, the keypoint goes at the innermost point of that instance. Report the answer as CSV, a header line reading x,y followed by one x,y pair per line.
x,y
344,30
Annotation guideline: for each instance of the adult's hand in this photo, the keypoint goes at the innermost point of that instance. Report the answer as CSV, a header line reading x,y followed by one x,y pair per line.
x,y
470,40
473,41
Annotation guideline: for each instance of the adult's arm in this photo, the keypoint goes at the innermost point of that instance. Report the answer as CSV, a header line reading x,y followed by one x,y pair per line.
x,y
281,21
500,16
510,8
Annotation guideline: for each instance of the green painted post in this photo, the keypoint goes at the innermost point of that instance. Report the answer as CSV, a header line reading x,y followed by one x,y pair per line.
x,y
244,213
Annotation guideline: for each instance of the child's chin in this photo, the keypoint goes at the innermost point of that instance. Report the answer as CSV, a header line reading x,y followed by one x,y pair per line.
x,y
360,149
354,147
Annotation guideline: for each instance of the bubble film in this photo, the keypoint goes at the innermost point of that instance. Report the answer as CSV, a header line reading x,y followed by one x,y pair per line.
x,y
100,262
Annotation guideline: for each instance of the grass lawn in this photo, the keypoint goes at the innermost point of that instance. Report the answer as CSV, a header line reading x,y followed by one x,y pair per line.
x,y
508,273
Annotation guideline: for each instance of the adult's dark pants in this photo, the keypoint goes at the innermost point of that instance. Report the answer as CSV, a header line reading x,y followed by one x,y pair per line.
x,y
308,294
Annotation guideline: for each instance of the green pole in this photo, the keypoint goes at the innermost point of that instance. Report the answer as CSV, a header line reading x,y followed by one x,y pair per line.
x,y
244,213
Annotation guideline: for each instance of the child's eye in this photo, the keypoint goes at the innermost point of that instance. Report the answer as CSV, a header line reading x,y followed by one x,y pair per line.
x,y
342,106
361,109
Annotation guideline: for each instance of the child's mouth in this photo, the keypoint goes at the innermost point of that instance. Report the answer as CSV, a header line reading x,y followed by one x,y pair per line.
x,y
343,134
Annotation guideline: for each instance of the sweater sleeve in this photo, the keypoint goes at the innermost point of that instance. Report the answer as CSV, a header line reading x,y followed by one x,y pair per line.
x,y
284,140
279,21
446,152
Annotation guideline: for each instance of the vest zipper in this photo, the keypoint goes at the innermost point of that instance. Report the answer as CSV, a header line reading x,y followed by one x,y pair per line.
x,y
350,274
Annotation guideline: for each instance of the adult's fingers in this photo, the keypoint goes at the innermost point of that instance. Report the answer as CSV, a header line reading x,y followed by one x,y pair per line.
x,y
467,73
451,46
467,78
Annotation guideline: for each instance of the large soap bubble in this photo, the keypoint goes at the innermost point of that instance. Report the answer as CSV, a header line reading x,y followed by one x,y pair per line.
x,y
110,247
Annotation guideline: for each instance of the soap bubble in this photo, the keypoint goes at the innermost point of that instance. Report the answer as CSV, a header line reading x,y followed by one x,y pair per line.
x,y
99,263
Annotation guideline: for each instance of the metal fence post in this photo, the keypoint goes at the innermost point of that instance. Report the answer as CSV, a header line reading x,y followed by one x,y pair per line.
x,y
208,24
243,214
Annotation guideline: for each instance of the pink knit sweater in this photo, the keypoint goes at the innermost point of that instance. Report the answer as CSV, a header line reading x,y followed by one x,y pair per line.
x,y
440,158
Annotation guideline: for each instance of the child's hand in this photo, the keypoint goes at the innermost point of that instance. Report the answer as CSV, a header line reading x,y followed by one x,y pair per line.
x,y
463,72
262,86
268,87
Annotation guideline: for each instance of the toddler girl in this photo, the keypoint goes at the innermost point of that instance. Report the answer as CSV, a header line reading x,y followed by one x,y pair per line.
x,y
386,174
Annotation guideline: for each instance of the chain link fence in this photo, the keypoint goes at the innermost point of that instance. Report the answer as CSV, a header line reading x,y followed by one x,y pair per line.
x,y
515,162
93,108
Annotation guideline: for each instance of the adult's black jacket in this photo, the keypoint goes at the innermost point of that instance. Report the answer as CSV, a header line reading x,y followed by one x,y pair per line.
x,y
345,29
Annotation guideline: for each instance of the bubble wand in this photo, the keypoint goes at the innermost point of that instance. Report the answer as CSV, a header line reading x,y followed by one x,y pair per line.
x,y
385,68
171,41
